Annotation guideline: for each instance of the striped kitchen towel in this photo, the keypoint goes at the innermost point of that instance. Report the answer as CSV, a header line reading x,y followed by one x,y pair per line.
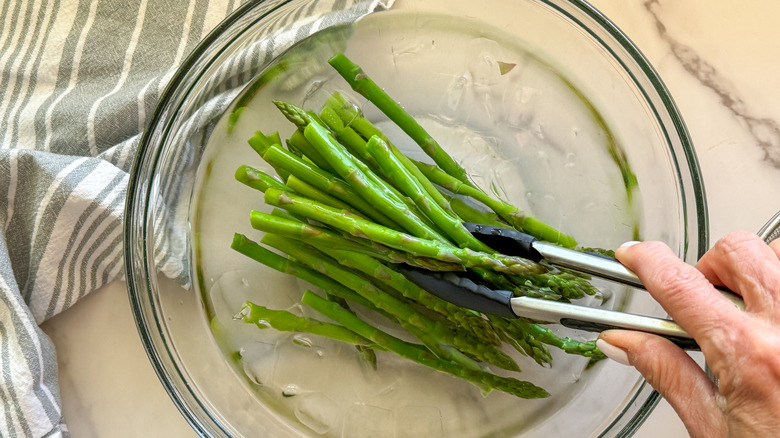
x,y
78,81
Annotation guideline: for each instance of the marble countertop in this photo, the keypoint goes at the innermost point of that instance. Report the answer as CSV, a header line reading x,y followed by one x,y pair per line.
x,y
719,60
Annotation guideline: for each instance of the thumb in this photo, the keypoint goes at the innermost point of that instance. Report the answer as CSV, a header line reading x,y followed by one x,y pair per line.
x,y
674,374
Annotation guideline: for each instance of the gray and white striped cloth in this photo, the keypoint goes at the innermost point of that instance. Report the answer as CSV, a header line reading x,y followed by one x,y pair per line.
x,y
78,80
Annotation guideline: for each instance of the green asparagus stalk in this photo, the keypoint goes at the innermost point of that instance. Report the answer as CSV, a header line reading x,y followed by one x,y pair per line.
x,y
469,213
393,169
414,322
366,185
261,142
506,211
317,236
508,282
361,178
322,180
364,130
356,146
303,188
253,250
361,83
347,136
283,320
467,319
432,174
522,341
566,285
335,292
432,334
420,247
258,179
547,336
420,355
299,141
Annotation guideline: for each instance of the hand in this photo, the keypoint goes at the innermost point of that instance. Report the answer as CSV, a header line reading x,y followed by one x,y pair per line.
x,y
741,348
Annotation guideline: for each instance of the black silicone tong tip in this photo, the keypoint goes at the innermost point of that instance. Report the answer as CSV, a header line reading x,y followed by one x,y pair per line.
x,y
505,241
462,291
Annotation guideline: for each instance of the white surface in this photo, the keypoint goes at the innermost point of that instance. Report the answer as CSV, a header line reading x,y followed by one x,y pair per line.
x,y
718,59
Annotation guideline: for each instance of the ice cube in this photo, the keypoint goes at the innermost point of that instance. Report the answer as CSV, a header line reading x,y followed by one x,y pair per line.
x,y
259,362
366,421
317,411
418,421
484,68
454,95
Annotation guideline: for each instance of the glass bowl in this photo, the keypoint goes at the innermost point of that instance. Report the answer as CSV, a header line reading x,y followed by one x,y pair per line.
x,y
546,103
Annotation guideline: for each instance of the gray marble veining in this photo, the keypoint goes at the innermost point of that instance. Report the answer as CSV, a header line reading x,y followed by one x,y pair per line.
x,y
765,130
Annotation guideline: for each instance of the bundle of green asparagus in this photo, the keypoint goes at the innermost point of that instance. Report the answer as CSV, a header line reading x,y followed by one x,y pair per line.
x,y
349,206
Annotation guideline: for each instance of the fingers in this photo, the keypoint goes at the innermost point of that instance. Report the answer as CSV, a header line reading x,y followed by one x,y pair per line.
x,y
683,291
673,374
744,263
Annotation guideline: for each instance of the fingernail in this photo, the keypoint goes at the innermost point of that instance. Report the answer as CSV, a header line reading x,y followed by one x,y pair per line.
x,y
617,354
629,243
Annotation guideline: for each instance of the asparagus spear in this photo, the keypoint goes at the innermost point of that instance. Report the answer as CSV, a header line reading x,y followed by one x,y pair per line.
x,y
258,179
566,285
506,211
261,142
445,178
411,187
318,236
523,341
420,247
411,351
433,335
464,318
415,323
253,250
324,181
361,83
469,213
343,109
299,141
506,282
347,136
368,185
283,320
588,349
303,188
374,193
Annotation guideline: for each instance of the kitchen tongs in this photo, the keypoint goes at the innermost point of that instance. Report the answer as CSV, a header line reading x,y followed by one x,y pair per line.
x,y
464,292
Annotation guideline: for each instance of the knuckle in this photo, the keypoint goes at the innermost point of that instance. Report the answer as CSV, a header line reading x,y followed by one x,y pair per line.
x,y
676,278
736,242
